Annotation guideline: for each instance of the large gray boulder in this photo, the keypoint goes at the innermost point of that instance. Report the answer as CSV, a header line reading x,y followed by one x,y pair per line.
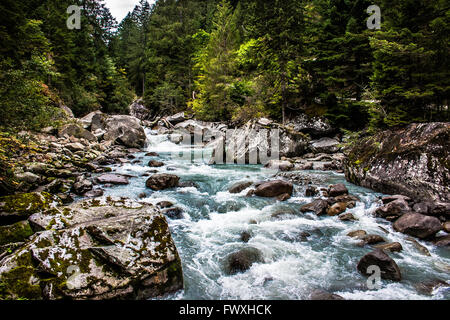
x,y
418,225
325,145
125,130
389,269
413,161
274,189
86,121
177,118
77,131
101,248
158,182
254,143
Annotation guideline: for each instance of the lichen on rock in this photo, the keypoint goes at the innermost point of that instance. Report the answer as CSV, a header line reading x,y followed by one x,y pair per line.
x,y
82,254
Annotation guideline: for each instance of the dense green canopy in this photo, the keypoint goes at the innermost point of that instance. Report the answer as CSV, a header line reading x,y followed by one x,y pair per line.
x,y
228,60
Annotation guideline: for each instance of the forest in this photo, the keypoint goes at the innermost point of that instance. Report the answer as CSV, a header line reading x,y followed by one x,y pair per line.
x,y
224,150
228,61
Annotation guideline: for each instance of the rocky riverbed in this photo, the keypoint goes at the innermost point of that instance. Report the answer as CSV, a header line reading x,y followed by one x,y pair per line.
x,y
106,209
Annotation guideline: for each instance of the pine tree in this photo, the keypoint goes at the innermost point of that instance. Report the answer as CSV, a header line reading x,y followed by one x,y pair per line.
x,y
216,67
411,75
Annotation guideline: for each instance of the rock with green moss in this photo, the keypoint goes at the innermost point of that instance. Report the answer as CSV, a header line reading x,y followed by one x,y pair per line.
x,y
19,278
104,248
17,232
19,207
412,161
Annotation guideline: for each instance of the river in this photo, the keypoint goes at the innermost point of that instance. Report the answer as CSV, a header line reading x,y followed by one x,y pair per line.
x,y
213,220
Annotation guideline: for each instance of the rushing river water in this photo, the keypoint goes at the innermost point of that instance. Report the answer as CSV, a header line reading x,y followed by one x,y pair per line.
x,y
214,220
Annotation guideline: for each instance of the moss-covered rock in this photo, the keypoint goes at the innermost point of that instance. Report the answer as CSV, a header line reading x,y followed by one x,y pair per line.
x,y
105,248
17,232
18,278
413,161
19,207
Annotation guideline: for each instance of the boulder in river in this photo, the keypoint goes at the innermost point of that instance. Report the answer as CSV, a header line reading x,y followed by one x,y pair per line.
x,y
337,190
311,191
177,118
412,161
394,209
173,213
155,164
392,247
336,209
319,207
242,260
274,188
418,225
279,165
238,187
389,269
158,182
442,241
97,249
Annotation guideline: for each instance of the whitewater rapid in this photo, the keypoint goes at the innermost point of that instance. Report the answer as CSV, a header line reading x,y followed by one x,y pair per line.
x,y
213,220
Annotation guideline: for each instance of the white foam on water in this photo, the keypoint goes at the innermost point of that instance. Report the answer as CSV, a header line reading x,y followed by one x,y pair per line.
x,y
292,269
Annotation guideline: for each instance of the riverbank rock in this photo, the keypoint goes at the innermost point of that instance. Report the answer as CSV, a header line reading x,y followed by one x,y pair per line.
x,y
412,161
418,225
19,207
125,130
274,189
97,249
388,267
242,260
158,182
112,178
393,209
325,145
77,131
337,190
17,232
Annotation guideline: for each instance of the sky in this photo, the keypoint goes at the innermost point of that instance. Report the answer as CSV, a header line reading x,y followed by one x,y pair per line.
x,y
120,8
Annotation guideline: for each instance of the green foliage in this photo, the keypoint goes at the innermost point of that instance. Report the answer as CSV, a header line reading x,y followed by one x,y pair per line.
x,y
218,91
228,60
410,76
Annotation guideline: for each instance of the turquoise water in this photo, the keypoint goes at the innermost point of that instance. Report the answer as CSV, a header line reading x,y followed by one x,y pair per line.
x,y
214,219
